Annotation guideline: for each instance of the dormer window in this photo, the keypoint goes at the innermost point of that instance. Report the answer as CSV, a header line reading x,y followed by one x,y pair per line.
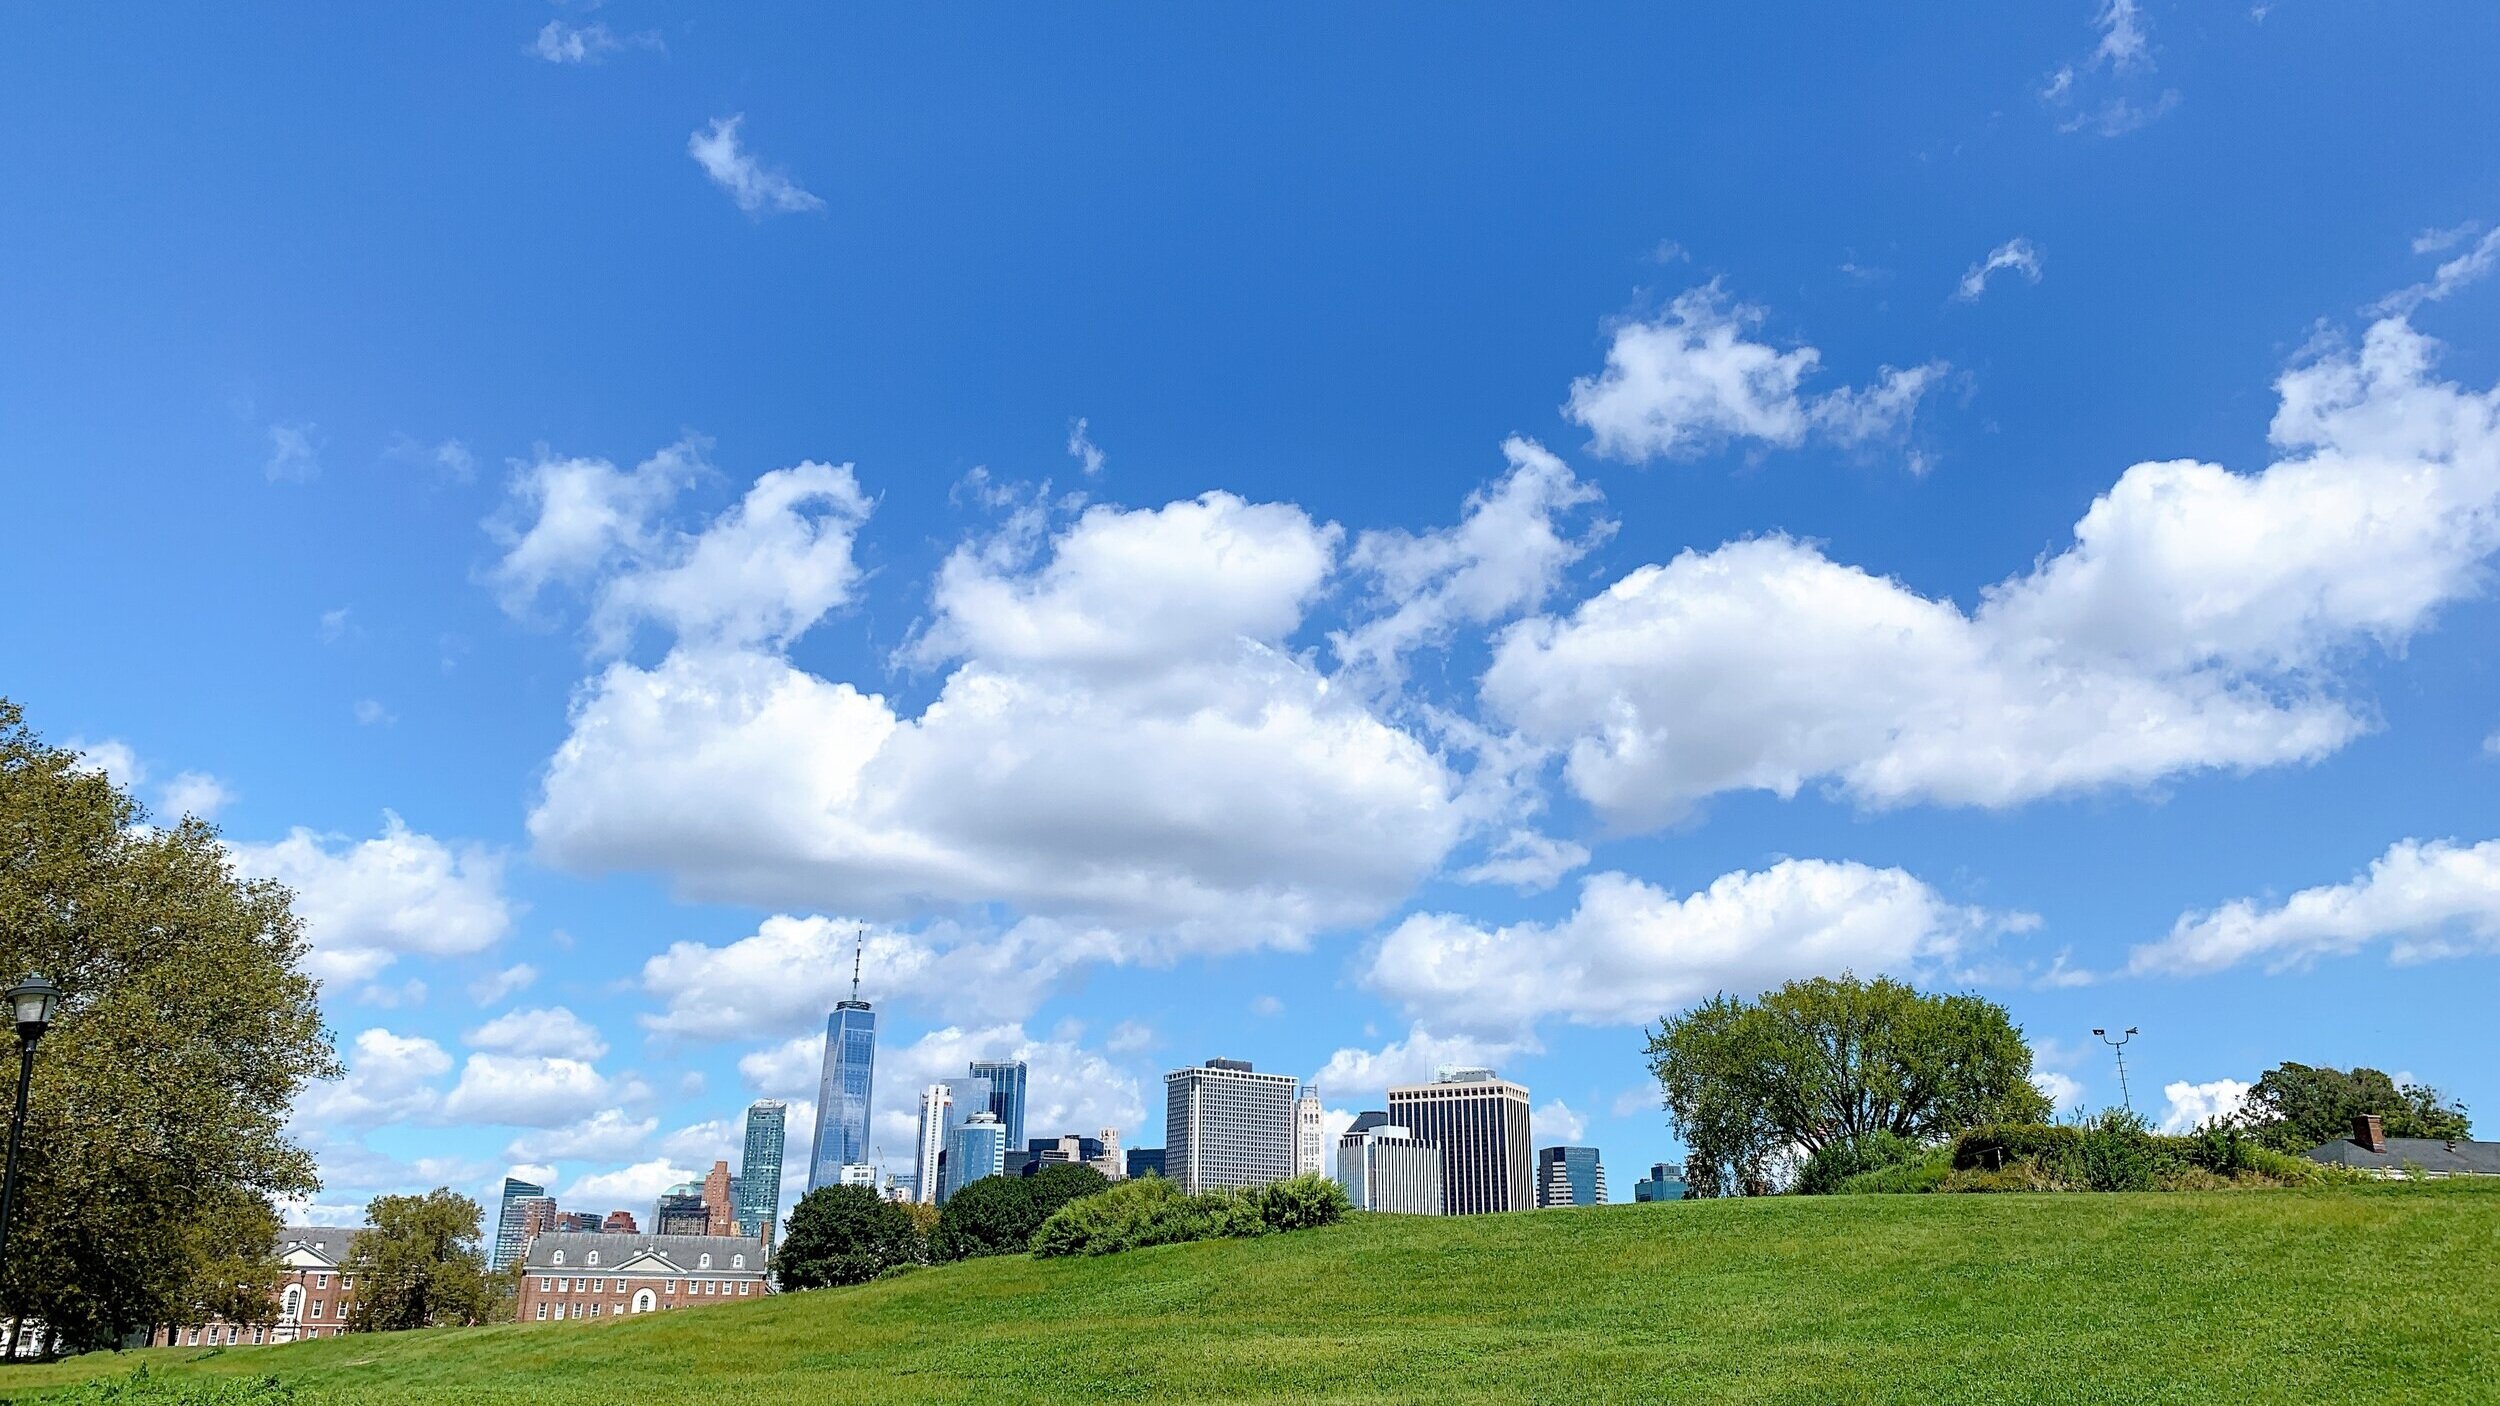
x,y
737,1261
559,1257
706,1263
592,1258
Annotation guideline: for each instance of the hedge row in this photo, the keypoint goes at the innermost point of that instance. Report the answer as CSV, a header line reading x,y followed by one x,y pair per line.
x,y
1152,1211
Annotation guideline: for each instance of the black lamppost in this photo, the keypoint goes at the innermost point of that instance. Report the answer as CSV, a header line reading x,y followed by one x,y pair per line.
x,y
2120,1045
31,1002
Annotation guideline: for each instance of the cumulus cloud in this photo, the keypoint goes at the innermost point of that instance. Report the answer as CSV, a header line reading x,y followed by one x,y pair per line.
x,y
117,760
1417,1058
1554,1122
1631,952
1527,861
2195,623
532,1091
559,42
193,793
390,1078
609,1135
632,1188
1070,1088
1692,379
567,519
758,189
496,985
366,903
2063,1091
2194,1105
1083,450
2423,900
554,1031
2016,254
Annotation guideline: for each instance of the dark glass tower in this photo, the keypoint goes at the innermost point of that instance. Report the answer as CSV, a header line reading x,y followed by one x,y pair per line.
x,y
843,1094
759,1169
1006,1078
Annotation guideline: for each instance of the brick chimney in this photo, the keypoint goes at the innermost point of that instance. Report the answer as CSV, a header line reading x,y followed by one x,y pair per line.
x,y
2369,1132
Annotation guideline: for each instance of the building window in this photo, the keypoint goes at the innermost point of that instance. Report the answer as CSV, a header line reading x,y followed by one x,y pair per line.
x,y
645,1301
542,1313
704,1263
546,1285
321,1281
256,1338
591,1259
316,1308
737,1261
672,1286
559,1257
594,1310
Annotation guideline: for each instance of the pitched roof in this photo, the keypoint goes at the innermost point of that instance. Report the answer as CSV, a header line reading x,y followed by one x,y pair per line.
x,y
2430,1154
683,1253
329,1242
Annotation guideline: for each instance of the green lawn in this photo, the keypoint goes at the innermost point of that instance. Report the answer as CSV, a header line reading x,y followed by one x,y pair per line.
x,y
2384,1294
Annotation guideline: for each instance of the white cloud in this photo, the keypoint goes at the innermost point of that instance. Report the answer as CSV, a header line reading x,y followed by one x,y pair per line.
x,y
559,42
2450,277
632,1188
1640,1098
2195,623
2124,44
193,793
2194,1105
365,903
553,1031
2122,59
334,625
1553,1122
608,1135
2425,900
762,574
371,713
1506,554
1069,1088
294,454
1128,1037
569,519
2063,1091
1267,1006
2440,241
1527,861
1416,1059
1631,952
713,1140
1126,741
2016,254
495,986
390,1079
531,1091
1692,379
757,189
1083,450
117,760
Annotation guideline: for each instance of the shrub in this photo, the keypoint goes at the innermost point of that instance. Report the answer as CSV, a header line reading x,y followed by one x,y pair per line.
x,y
1141,1212
1305,1202
1061,1182
845,1235
1996,1146
1835,1163
1927,1173
992,1216
2117,1152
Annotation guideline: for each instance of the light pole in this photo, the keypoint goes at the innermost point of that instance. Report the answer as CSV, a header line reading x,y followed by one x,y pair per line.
x,y
31,1001
2120,1045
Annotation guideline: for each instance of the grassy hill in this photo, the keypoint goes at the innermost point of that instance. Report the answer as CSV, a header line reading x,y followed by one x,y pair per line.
x,y
2384,1294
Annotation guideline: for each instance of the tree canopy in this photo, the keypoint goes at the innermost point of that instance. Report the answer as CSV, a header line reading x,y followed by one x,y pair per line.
x,y
2295,1107
1829,1061
846,1235
155,1134
998,1215
420,1263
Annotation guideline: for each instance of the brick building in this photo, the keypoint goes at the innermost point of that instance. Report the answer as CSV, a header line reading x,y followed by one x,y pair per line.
x,y
591,1277
314,1293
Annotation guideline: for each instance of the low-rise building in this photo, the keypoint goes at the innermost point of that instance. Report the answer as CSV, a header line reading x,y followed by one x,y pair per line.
x,y
584,1278
1385,1167
315,1293
1570,1176
2370,1149
1665,1182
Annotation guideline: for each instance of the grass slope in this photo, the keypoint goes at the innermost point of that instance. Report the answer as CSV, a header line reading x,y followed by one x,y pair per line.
x,y
2379,1293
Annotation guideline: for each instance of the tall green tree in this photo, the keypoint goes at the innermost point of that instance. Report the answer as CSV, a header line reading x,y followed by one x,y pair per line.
x,y
998,1215
846,1235
1827,1061
2295,1107
421,1263
187,1026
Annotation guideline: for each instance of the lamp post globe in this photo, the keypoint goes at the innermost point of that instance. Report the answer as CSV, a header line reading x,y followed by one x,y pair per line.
x,y
31,1004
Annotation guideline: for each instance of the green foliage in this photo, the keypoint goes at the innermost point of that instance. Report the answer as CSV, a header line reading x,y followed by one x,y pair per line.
x,y
2117,1152
998,1215
1140,1212
1057,1184
1828,1061
420,1264
156,1124
145,1388
1836,1163
1304,1202
2295,1107
1925,1173
846,1235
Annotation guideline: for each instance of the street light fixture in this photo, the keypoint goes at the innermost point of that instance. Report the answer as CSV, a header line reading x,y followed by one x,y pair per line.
x,y
31,1004
2120,1045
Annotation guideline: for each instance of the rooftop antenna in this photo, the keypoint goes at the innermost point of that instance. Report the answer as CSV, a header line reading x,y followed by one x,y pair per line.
x,y
2120,1045
859,945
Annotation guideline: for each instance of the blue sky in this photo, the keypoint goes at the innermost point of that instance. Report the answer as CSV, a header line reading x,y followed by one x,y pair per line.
x,y
1357,540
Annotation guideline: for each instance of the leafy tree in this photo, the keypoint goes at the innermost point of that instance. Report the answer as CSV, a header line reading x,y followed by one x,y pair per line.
x,y
992,1216
420,1264
1303,1202
846,1235
1058,1183
157,1117
1828,1061
2295,1107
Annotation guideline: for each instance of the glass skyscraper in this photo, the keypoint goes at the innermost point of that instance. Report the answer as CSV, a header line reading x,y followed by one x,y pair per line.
x,y
842,1096
976,1148
1570,1176
759,1169
1006,1078
512,1218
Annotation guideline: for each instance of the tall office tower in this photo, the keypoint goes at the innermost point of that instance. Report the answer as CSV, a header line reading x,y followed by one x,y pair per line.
x,y
1226,1126
1385,1167
1006,1078
1570,1176
720,1205
842,1095
1481,1124
937,1104
1665,1182
759,1169
976,1148
509,1237
1308,1155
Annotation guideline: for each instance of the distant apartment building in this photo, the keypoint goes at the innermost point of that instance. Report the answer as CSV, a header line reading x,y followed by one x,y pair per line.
x,y
1226,1125
1144,1161
577,1278
976,1148
1110,1163
936,1102
720,1201
511,1217
1385,1167
1005,1079
1570,1176
759,1169
1665,1182
1067,1148
1480,1122
314,1296
620,1223
569,1223
681,1211
1310,1154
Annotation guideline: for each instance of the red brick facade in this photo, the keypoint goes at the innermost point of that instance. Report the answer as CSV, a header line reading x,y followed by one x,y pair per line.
x,y
587,1278
314,1295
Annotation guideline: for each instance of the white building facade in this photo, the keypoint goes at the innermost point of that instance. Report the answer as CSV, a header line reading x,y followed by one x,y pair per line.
x,y
1227,1126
